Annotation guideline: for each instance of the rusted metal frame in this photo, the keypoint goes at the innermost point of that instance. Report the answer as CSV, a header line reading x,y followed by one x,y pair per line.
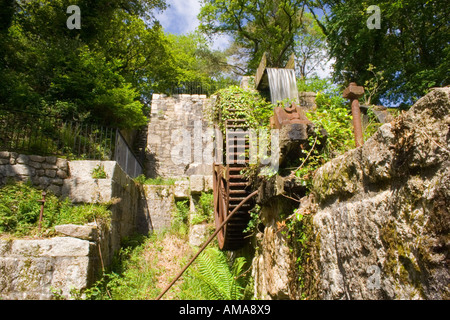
x,y
283,116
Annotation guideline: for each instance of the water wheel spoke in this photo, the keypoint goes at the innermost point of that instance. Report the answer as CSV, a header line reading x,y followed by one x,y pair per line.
x,y
231,186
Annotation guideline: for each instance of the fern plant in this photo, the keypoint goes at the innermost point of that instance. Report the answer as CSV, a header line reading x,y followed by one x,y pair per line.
x,y
219,280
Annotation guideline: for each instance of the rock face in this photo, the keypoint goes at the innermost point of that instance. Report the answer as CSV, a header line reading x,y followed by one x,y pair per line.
x,y
274,266
376,225
381,229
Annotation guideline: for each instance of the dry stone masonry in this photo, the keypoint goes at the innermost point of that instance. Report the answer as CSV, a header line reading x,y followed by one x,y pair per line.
x,y
46,268
44,172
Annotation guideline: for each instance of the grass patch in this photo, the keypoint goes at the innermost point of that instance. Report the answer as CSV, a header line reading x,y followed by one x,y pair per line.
x,y
204,209
146,265
154,181
20,209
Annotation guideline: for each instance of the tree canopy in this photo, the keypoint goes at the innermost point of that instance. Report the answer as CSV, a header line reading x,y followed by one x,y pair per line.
x,y
105,71
257,26
409,53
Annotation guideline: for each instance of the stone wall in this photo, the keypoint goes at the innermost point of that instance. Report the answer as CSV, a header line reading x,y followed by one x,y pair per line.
x,y
30,269
178,143
127,206
376,225
160,199
44,172
35,269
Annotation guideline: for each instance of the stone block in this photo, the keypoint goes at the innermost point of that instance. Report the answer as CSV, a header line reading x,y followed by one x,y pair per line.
x,y
62,164
35,165
160,204
23,170
50,173
88,190
208,183
85,232
4,154
37,158
44,182
51,159
181,189
196,183
46,165
55,247
198,234
55,189
58,182
22,159
83,169
61,174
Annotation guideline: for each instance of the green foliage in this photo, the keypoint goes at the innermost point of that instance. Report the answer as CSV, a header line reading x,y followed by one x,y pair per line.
x,y
310,47
104,72
255,220
215,279
180,217
372,124
204,209
99,172
410,49
142,179
314,84
132,276
194,60
136,270
256,26
20,208
249,105
333,116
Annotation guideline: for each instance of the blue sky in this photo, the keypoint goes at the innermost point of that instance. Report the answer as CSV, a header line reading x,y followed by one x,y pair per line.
x,y
181,17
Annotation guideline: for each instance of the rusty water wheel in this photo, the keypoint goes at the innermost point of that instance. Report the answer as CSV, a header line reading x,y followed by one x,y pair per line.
x,y
229,191
230,187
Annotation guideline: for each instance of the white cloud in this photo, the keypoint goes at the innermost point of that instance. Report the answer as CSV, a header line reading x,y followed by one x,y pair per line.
x,y
221,42
180,17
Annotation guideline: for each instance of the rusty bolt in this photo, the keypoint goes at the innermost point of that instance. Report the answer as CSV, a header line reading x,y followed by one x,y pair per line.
x,y
353,92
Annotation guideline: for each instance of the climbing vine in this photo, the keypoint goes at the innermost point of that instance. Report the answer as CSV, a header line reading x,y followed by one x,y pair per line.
x,y
333,135
235,102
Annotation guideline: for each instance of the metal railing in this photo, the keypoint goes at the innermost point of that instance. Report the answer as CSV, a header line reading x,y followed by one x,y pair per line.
x,y
125,157
38,134
195,87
